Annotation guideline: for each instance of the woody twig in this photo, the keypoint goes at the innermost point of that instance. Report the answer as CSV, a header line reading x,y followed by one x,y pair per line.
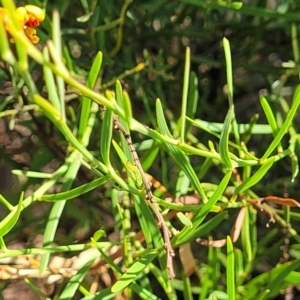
x,y
149,196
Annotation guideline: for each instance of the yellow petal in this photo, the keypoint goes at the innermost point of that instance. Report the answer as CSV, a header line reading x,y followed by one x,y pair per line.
x,y
35,11
22,14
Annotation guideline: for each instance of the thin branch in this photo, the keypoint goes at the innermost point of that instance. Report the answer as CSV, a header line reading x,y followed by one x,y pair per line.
x,y
149,196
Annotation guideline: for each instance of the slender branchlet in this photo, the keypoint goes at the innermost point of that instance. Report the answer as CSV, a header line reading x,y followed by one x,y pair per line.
x,y
149,196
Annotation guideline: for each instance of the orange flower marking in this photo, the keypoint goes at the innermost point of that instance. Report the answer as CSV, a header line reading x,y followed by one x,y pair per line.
x,y
31,34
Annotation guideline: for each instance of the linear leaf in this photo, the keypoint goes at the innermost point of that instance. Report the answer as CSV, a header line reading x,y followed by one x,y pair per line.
x,y
274,285
184,219
255,178
9,222
68,195
224,151
246,239
186,79
106,135
186,233
242,128
179,156
286,124
230,270
202,230
269,115
295,166
72,286
133,272
86,102
50,82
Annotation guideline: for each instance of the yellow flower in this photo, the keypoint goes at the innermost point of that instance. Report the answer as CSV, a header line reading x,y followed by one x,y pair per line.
x,y
29,17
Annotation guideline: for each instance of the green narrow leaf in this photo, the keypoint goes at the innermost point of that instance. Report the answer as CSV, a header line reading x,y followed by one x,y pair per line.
x,y
6,53
105,294
60,84
250,130
271,118
246,239
74,163
133,272
9,222
180,158
236,5
131,169
33,285
193,96
6,203
255,178
149,157
213,127
295,43
167,285
293,277
239,267
124,159
187,288
182,184
295,166
120,100
215,196
115,196
287,122
106,135
229,78
184,219
143,293
224,139
84,18
264,295
115,267
274,284
210,277
98,235
127,108
81,190
72,286
50,82
271,280
186,79
124,122
230,270
189,235
269,115
147,222
86,6
228,60
135,174
86,102
31,174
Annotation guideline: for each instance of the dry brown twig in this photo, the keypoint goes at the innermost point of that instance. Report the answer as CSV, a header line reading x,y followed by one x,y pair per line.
x,y
149,196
